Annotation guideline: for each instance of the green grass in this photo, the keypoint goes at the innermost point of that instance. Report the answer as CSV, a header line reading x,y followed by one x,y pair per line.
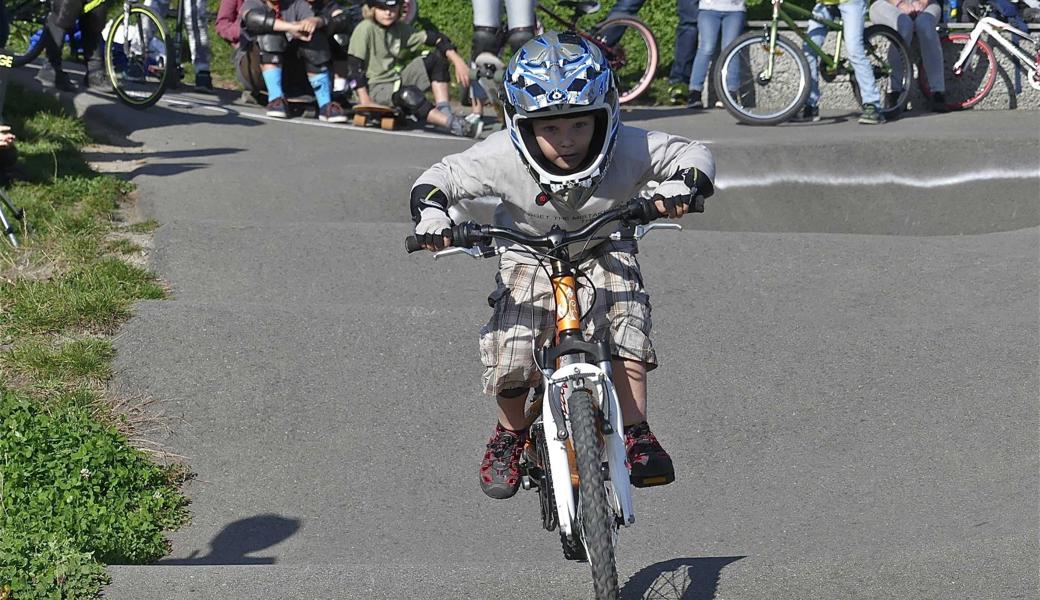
x,y
74,493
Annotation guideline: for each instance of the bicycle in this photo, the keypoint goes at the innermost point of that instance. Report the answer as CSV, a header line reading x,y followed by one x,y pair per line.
x,y
973,73
134,47
633,56
763,78
576,457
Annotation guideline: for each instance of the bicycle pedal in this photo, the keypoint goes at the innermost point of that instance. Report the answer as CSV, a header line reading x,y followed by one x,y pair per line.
x,y
653,481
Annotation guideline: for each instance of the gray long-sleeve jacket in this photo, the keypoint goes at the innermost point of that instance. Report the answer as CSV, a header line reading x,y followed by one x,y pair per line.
x,y
493,168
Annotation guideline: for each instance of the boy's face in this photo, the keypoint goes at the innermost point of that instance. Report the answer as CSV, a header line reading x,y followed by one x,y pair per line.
x,y
565,141
386,16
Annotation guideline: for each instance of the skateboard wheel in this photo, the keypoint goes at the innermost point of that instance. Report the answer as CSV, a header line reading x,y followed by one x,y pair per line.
x,y
359,120
387,123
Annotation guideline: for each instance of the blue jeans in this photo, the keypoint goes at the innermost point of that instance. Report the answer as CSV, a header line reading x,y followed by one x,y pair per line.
x,y
709,22
685,33
852,21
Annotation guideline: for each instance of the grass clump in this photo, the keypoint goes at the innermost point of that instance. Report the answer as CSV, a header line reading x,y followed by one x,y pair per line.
x,y
74,493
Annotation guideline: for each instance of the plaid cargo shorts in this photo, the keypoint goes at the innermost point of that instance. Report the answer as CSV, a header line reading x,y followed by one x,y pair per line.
x,y
524,311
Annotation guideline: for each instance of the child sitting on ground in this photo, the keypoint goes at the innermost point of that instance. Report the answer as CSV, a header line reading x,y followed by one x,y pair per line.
x,y
563,159
282,27
379,53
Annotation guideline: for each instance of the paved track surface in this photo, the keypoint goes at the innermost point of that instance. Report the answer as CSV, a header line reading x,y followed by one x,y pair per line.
x,y
848,384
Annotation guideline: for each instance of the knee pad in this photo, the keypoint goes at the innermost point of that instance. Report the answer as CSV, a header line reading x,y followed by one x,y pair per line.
x,y
437,66
411,100
316,53
272,47
486,39
519,36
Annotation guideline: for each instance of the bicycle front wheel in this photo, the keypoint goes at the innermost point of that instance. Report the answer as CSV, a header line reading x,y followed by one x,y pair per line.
x,y
138,57
633,58
596,517
759,86
25,38
893,70
967,86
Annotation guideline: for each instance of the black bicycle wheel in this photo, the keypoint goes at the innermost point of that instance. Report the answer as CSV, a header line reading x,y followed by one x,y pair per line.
x,y
27,19
893,70
753,94
633,58
596,518
138,57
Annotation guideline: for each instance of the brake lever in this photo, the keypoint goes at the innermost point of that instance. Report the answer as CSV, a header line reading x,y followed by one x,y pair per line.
x,y
475,252
641,231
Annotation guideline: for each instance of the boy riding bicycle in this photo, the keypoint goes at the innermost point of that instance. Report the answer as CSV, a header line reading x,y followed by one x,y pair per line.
x,y
563,159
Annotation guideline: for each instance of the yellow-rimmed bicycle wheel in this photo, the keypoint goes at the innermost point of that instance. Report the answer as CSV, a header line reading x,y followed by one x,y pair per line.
x,y
138,59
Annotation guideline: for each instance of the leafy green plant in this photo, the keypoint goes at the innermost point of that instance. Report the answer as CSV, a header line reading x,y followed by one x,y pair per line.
x,y
74,493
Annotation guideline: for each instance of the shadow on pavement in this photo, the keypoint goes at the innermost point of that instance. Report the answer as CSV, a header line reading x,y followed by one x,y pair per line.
x,y
678,579
239,539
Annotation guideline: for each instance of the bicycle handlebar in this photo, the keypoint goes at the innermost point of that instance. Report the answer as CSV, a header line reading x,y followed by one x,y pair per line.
x,y
470,234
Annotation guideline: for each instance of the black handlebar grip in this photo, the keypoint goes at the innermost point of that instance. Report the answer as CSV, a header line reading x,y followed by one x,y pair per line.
x,y
411,244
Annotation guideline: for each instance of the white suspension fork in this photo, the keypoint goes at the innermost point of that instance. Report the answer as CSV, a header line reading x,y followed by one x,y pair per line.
x,y
597,380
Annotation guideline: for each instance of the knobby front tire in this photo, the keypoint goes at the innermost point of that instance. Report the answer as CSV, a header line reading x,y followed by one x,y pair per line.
x,y
596,515
633,59
139,59
893,69
751,97
976,78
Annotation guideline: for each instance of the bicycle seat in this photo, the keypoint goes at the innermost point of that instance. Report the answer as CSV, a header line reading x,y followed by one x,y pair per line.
x,y
583,7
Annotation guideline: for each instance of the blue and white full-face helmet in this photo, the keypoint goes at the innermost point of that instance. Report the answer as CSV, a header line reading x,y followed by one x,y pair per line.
x,y
558,75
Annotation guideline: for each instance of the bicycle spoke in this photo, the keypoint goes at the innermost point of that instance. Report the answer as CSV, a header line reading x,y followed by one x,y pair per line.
x,y
137,57
761,87
976,76
633,58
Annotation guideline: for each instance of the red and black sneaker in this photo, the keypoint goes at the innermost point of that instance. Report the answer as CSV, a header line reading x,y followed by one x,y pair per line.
x,y
650,464
500,469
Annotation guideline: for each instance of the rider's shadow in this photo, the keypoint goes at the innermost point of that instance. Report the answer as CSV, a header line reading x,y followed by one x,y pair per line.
x,y
238,539
678,579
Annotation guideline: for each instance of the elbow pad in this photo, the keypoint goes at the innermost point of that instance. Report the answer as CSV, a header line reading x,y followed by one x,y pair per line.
x,y
425,195
258,21
438,39
356,70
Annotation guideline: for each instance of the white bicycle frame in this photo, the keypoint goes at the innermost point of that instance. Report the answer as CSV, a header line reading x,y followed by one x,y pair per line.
x,y
561,383
596,379
993,27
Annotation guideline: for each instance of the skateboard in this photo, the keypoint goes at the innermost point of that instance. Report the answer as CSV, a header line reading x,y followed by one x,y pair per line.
x,y
373,114
487,72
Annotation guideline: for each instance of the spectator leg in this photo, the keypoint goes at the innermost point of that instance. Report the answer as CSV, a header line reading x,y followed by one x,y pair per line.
x,y
685,41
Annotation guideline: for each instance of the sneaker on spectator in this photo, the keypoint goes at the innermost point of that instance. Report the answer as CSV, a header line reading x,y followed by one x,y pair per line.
x,y
871,115
809,114
276,108
500,469
55,78
694,100
650,464
203,81
95,78
330,113
939,104
474,125
678,94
